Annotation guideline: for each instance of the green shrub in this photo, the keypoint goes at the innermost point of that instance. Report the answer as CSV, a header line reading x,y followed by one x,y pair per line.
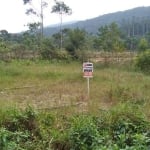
x,y
22,121
84,134
55,54
122,127
143,61
129,128
62,55
12,140
23,130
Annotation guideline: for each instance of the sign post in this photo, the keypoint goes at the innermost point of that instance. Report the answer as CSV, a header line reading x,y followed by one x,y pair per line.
x,y
88,73
88,86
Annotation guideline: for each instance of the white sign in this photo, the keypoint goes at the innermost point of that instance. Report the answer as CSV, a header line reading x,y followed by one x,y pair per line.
x,y
87,69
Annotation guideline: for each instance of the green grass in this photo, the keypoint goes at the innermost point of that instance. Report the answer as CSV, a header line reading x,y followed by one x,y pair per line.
x,y
115,116
49,84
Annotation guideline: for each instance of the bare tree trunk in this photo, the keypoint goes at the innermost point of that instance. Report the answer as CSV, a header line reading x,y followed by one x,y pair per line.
x,y
61,35
41,18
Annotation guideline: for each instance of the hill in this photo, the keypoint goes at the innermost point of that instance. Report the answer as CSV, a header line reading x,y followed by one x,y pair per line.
x,y
138,15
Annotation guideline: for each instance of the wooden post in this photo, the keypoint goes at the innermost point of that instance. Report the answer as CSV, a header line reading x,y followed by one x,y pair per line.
x,y
88,86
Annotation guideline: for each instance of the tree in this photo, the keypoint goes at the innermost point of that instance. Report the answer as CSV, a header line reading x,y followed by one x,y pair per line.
x,y
143,61
56,38
48,50
109,38
131,43
5,35
3,46
38,13
61,8
101,39
143,44
76,40
26,1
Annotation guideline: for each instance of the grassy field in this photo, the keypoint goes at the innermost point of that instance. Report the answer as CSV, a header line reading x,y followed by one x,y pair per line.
x,y
44,105
52,85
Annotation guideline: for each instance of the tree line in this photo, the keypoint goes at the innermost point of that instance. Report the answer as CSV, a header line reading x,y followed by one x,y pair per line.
x,y
72,43
108,38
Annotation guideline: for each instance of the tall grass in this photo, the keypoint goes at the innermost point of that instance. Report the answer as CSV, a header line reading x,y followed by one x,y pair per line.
x,y
115,116
60,83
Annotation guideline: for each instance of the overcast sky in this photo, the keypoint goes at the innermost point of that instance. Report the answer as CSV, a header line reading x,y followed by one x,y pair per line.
x,y
13,18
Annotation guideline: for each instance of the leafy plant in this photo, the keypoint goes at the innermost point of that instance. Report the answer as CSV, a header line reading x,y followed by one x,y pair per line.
x,y
12,140
143,61
128,129
84,134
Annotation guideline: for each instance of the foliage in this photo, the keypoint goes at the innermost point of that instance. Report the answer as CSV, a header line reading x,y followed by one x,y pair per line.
x,y
39,13
26,1
61,8
3,46
4,35
115,129
18,128
33,27
116,33
115,117
109,38
143,61
76,40
11,140
82,55
84,134
30,40
143,44
126,127
62,55
56,38
47,49
131,43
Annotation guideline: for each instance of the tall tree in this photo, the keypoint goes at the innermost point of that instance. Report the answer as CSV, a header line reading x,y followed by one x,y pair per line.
x,y
38,13
56,38
76,40
109,38
61,8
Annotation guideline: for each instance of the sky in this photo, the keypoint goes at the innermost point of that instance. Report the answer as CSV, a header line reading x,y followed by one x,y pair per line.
x,y
13,17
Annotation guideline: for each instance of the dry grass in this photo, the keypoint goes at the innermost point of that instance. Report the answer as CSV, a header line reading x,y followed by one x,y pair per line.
x,y
47,85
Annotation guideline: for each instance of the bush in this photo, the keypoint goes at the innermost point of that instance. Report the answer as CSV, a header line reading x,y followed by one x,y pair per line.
x,y
84,134
55,54
12,140
82,55
18,128
143,61
119,128
62,55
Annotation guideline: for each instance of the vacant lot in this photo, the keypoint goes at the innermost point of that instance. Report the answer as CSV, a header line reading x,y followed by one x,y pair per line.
x,y
61,116
53,85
